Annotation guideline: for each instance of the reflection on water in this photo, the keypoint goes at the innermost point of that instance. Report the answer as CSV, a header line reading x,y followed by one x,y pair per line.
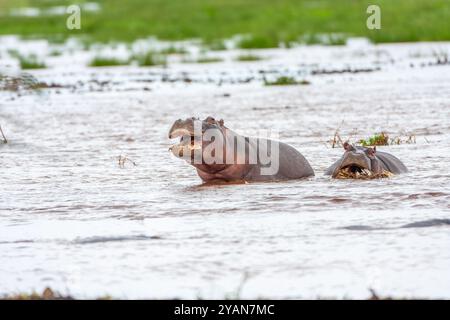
x,y
72,219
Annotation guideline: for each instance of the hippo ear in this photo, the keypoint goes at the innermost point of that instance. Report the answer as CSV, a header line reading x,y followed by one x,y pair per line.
x,y
221,122
210,119
374,149
347,146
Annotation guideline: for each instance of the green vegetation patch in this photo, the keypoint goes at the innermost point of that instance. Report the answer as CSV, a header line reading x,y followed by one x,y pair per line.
x,y
248,57
266,23
285,81
149,59
100,61
27,61
381,139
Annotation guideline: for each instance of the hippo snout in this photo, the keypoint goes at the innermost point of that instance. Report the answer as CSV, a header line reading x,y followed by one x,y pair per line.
x,y
181,128
355,161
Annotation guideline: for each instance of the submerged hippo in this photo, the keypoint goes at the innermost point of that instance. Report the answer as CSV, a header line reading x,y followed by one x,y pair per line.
x,y
365,163
221,155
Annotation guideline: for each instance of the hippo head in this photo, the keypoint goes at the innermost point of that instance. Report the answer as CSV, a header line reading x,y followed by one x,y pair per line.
x,y
358,162
195,137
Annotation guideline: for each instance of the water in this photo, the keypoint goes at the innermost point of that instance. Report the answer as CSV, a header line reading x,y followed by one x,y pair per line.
x,y
71,218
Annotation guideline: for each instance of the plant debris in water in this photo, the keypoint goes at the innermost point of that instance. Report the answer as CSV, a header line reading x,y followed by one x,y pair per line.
x,y
381,139
378,139
27,62
23,81
248,57
364,174
149,59
47,294
208,59
123,160
107,62
285,81
3,135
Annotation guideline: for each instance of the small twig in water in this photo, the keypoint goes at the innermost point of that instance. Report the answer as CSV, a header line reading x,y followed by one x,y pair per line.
x,y
337,141
3,135
123,160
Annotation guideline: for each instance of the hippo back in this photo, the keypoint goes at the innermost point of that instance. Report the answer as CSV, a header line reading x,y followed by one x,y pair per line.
x,y
392,163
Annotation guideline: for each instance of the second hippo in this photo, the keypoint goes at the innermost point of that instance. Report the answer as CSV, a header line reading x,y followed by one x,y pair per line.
x,y
365,163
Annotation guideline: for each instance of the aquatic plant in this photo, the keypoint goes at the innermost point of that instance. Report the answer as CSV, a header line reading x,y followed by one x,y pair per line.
x,y
248,57
208,59
123,160
285,81
149,59
258,42
381,139
202,59
30,62
100,61
217,45
173,50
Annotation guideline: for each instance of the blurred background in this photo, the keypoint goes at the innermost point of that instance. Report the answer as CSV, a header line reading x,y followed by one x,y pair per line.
x,y
266,23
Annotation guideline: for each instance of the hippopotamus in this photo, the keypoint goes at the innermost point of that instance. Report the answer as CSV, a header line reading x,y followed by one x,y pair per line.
x,y
221,155
365,162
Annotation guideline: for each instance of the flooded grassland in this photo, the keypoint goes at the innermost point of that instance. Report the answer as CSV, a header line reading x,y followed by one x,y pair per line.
x,y
73,219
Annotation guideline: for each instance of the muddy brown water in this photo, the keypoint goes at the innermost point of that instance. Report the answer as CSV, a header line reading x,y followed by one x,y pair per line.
x,y
71,218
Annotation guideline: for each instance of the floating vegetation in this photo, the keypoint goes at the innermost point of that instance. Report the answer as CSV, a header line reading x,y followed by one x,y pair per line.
x,y
173,50
379,139
285,81
149,59
123,160
344,70
30,62
332,39
217,45
347,173
383,139
23,81
208,60
248,57
100,61
47,294
55,53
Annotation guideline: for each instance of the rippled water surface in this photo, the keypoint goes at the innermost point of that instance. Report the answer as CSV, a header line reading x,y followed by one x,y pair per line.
x,y
72,219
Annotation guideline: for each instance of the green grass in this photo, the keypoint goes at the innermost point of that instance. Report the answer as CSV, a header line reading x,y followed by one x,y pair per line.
x,y
285,81
31,62
216,45
203,60
149,59
248,57
173,50
27,61
100,61
266,23
208,60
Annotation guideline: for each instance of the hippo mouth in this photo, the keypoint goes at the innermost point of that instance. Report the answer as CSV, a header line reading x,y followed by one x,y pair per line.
x,y
186,142
352,171
356,171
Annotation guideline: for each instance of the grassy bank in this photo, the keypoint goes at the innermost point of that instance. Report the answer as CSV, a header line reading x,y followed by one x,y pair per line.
x,y
267,22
